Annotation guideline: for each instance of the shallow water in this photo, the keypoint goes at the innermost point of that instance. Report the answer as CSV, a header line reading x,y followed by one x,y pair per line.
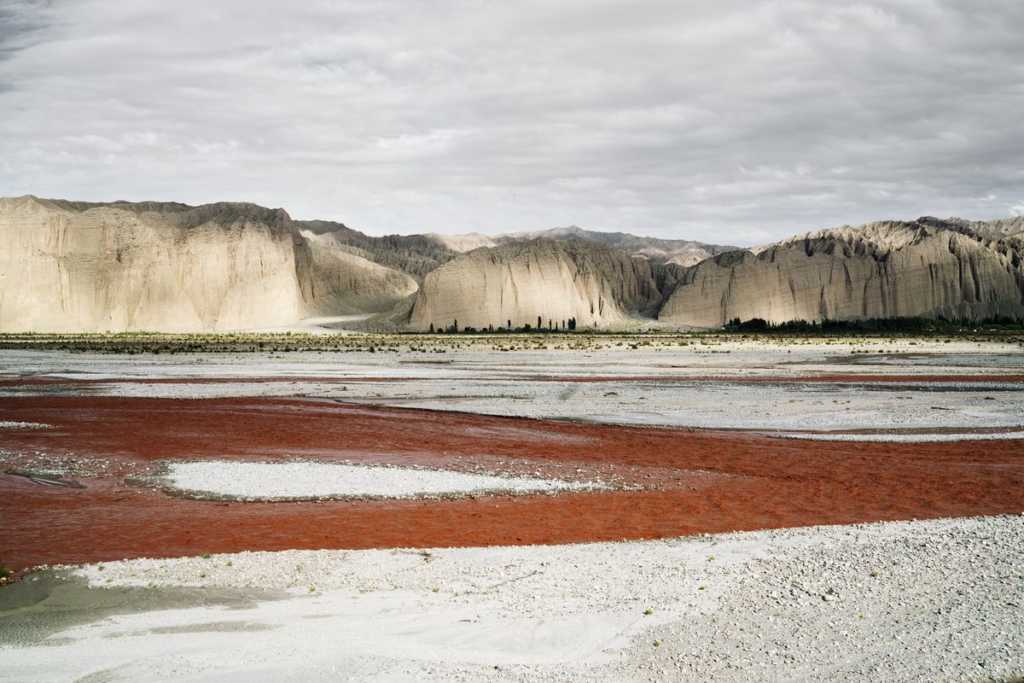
x,y
48,602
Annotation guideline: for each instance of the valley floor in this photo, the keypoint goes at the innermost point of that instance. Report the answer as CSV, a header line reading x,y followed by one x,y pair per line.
x,y
676,532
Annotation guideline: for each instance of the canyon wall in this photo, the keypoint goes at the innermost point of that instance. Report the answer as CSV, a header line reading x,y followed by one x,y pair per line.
x,y
926,268
77,267
80,267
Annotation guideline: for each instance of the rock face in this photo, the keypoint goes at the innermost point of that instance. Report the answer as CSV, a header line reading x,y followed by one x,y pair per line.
x,y
336,281
70,266
926,268
521,281
78,267
464,242
415,255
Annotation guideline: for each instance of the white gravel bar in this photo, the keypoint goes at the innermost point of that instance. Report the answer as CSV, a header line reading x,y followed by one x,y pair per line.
x,y
13,424
906,601
312,480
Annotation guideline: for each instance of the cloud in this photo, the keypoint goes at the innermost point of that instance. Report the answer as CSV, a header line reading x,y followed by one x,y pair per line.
x,y
723,121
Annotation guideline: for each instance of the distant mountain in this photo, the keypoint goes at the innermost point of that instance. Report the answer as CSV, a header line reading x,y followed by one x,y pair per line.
x,y
415,255
679,252
464,242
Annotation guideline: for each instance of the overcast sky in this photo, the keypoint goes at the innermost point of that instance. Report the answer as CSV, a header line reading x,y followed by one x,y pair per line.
x,y
729,122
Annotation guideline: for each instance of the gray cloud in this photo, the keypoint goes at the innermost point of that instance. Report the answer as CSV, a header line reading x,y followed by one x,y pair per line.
x,y
723,121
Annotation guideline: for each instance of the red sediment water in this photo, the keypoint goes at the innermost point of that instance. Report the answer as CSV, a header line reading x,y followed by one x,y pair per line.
x,y
758,482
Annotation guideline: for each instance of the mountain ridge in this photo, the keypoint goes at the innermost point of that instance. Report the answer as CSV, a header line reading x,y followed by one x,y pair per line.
x,y
167,266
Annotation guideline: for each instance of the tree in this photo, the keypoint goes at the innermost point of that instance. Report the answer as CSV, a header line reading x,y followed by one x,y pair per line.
x,y
510,324
431,328
540,323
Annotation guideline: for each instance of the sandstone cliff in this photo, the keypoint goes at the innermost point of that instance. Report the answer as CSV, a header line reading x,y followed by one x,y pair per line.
x,y
336,280
69,266
926,268
415,255
73,266
465,242
521,281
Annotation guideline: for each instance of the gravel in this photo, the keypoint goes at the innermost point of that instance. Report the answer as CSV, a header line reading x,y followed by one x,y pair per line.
x,y
313,480
928,600
10,424
520,383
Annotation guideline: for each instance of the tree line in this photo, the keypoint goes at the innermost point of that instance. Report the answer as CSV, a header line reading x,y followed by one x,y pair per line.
x,y
565,325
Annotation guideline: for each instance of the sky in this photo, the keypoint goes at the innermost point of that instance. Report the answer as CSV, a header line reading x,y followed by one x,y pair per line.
x,y
727,122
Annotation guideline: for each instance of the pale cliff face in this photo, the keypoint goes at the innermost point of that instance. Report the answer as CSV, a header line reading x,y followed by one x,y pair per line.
x,y
76,267
520,282
465,242
67,267
882,270
338,282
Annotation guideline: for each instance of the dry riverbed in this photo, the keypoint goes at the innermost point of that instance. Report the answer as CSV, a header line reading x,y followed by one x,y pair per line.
x,y
894,601
524,508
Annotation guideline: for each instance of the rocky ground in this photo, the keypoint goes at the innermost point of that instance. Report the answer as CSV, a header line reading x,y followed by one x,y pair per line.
x,y
936,600
880,384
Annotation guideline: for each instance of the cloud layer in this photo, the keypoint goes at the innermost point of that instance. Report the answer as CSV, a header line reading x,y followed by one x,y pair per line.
x,y
723,121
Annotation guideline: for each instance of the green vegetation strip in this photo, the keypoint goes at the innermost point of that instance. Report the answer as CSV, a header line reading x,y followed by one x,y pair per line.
x,y
789,333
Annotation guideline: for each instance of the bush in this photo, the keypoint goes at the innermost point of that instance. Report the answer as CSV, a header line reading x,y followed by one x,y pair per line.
x,y
873,325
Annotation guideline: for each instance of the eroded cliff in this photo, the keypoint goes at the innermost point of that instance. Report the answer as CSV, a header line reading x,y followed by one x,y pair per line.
x,y
541,278
69,266
926,268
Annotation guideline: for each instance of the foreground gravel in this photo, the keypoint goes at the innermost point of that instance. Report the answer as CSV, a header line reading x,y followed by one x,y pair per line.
x,y
932,600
